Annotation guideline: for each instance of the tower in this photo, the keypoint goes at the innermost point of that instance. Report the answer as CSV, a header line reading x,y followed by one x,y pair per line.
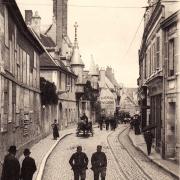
x,y
76,61
93,72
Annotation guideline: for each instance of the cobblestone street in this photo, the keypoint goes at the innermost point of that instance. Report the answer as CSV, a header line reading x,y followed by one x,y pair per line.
x,y
122,164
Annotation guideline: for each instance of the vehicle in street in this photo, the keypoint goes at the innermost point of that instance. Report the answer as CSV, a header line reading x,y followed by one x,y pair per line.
x,y
84,128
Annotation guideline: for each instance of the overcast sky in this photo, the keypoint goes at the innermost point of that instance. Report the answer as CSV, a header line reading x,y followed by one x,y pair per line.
x,y
104,32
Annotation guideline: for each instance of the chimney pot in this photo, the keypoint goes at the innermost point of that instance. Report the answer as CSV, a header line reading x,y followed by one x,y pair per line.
x,y
28,16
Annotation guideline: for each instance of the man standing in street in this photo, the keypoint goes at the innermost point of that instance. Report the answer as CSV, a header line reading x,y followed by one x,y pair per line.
x,y
99,163
79,163
11,166
148,136
28,166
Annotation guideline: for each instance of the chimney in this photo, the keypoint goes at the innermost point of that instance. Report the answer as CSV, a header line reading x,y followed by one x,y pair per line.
x,y
60,13
36,23
102,78
64,19
28,17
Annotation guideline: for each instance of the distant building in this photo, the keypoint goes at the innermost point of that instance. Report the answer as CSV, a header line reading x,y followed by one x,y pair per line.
x,y
129,101
159,75
20,113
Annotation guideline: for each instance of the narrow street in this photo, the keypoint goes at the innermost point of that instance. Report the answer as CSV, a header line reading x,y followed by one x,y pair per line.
x,y
124,161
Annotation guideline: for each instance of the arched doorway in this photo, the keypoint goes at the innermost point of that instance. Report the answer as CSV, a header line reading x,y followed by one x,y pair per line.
x,y
60,117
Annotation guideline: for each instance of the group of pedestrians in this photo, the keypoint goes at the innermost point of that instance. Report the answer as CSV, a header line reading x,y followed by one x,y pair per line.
x,y
109,121
11,169
79,163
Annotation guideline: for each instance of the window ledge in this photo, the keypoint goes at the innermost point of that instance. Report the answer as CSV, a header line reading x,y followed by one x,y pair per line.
x,y
171,78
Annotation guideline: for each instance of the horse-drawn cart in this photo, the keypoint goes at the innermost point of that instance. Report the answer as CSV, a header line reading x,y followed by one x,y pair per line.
x,y
84,128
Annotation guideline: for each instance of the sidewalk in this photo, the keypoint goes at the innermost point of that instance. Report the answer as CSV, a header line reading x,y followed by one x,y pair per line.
x,y
43,148
171,167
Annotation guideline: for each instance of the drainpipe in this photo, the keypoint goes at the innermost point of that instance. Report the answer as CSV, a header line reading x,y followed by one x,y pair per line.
x,y
164,92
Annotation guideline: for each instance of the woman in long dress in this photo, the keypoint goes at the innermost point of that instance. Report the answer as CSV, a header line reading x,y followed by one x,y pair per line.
x,y
55,128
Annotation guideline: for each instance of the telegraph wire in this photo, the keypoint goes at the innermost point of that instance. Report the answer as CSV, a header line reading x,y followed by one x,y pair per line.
x,y
133,37
95,6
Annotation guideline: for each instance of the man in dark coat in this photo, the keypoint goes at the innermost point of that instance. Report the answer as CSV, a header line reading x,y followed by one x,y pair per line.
x,y
28,166
101,120
11,166
137,124
79,163
55,129
148,136
99,163
84,118
107,123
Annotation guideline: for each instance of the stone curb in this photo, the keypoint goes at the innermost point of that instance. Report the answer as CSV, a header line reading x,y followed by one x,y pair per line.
x,y
154,161
44,160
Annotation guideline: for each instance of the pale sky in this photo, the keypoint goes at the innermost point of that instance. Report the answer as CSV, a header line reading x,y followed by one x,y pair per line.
x,y
104,32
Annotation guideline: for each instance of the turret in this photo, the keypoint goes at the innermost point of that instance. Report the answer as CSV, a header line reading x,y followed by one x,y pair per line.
x,y
76,61
93,72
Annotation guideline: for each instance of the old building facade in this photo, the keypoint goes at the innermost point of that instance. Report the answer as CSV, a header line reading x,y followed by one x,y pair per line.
x,y
20,116
157,61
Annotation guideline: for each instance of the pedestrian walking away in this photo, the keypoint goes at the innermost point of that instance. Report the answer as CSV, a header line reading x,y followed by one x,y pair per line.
x,y
11,166
107,123
79,163
99,164
101,121
55,127
28,166
148,136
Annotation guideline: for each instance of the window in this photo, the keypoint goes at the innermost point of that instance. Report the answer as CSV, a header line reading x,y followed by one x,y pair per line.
x,y
150,62
60,80
154,58
24,67
145,71
15,37
71,83
171,70
157,52
6,106
28,69
35,60
6,27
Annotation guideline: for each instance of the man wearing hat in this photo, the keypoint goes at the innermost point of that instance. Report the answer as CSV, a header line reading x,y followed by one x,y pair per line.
x,y
28,166
99,163
79,163
11,166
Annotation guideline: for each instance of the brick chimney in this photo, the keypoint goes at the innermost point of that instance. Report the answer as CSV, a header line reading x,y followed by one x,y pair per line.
x,y
60,13
28,16
36,23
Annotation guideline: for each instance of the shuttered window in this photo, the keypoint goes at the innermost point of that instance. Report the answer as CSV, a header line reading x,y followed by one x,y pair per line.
x,y
157,52
6,27
171,70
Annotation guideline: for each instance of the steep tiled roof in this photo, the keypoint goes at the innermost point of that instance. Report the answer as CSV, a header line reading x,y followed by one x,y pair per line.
x,y
46,61
47,41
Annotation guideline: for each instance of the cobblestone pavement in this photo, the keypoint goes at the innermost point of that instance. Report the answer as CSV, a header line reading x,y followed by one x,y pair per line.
x,y
39,150
58,168
121,164
132,168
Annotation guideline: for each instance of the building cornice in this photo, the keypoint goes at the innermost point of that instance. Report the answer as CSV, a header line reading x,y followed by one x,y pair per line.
x,y
56,68
170,20
11,78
